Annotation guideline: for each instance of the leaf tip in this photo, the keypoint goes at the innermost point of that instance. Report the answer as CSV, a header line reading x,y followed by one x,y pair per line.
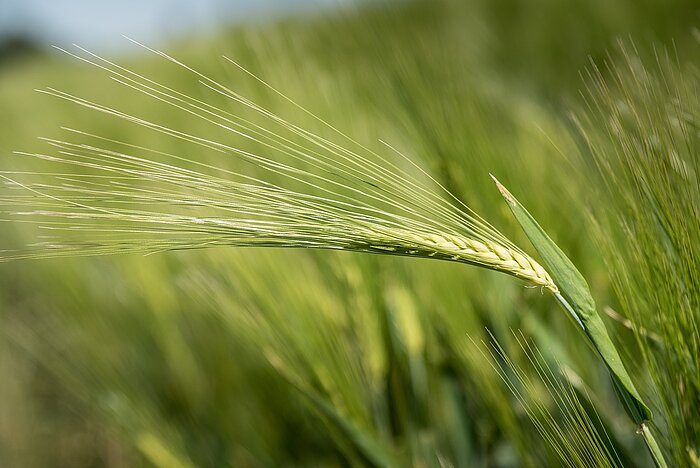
x,y
504,191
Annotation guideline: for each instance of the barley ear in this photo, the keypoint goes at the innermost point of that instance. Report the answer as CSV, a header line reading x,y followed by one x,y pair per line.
x,y
575,297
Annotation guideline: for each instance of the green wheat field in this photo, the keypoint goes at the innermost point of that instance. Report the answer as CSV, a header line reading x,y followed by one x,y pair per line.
x,y
281,244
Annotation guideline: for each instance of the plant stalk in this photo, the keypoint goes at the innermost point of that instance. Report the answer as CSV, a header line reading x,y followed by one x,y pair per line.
x,y
567,307
653,446
643,429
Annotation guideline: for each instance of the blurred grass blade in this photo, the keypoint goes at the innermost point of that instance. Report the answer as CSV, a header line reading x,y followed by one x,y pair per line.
x,y
371,450
575,296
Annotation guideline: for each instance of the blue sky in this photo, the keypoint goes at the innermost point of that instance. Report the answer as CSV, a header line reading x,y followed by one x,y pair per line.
x,y
100,24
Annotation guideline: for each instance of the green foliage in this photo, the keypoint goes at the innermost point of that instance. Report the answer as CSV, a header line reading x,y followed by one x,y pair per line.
x,y
267,357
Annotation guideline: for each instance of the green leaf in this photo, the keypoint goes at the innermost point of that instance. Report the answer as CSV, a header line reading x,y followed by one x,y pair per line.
x,y
575,296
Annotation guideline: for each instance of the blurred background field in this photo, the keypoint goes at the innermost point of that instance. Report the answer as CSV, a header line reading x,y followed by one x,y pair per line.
x,y
269,357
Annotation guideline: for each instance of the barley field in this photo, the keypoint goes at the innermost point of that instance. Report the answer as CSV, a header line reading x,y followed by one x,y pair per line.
x,y
429,233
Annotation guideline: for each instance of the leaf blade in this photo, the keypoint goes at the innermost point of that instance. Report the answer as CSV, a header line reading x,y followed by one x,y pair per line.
x,y
576,298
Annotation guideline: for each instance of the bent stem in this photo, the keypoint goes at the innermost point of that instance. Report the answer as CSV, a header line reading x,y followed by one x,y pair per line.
x,y
643,428
653,446
567,307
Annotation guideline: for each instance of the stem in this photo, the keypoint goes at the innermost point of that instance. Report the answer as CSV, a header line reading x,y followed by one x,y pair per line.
x,y
643,429
653,446
567,307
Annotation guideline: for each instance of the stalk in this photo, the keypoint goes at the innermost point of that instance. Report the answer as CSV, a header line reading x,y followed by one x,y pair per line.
x,y
653,446
643,428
